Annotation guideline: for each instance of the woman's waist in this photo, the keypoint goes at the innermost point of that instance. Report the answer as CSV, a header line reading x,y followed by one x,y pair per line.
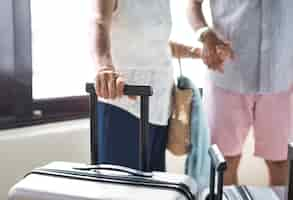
x,y
138,69
126,63
159,58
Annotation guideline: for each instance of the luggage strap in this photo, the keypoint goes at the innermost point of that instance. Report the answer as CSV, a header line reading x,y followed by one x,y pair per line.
x,y
124,180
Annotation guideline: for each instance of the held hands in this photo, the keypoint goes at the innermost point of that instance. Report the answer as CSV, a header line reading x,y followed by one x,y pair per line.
x,y
215,51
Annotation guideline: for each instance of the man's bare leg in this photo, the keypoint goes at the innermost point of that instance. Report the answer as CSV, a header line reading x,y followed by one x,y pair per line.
x,y
278,172
231,174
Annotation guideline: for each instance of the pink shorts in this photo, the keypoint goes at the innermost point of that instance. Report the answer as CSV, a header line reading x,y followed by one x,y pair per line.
x,y
231,115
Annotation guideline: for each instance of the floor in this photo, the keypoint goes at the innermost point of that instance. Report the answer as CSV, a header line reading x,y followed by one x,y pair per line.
x,y
252,170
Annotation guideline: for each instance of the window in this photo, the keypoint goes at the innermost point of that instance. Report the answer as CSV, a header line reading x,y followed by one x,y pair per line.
x,y
62,60
15,70
47,59
42,83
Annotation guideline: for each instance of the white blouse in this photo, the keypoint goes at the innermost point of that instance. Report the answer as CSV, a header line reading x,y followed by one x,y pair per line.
x,y
140,33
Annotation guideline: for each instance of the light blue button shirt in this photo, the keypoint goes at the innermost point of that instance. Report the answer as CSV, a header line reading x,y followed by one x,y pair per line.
x,y
262,39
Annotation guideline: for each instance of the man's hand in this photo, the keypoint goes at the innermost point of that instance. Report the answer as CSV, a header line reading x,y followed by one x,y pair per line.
x,y
215,51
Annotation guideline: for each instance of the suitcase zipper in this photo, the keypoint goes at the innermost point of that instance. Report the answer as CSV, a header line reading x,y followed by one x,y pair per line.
x,y
125,180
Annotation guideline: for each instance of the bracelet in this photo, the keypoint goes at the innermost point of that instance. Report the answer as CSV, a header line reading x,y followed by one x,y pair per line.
x,y
201,32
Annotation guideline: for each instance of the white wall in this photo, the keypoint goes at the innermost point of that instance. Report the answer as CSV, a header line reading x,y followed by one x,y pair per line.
x,y
24,149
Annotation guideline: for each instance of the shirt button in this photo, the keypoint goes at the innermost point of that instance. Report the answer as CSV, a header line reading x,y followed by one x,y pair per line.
x,y
265,45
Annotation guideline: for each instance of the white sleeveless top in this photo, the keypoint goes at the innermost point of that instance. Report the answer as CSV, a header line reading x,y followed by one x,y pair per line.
x,y
139,45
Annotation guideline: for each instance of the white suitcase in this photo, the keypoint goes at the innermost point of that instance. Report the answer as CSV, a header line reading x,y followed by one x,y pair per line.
x,y
59,181
72,181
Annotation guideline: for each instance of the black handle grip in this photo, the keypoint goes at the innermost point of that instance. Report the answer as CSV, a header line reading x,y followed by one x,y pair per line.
x,y
132,90
90,88
138,90
218,167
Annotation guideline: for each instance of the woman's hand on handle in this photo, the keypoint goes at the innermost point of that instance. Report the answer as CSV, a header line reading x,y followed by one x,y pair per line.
x,y
109,83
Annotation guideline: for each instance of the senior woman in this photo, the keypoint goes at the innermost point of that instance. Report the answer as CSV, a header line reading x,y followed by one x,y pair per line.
x,y
132,46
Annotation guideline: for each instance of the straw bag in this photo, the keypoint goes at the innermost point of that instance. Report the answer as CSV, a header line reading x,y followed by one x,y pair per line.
x,y
179,123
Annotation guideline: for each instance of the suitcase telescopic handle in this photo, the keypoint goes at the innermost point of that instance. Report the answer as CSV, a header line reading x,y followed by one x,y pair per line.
x,y
144,92
218,167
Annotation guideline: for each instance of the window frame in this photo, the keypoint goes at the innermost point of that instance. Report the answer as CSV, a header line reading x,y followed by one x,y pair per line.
x,y
25,110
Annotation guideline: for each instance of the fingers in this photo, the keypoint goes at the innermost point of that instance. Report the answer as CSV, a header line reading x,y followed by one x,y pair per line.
x,y
104,87
110,85
211,59
214,56
231,52
226,48
196,53
206,57
100,85
216,51
106,84
120,83
120,86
